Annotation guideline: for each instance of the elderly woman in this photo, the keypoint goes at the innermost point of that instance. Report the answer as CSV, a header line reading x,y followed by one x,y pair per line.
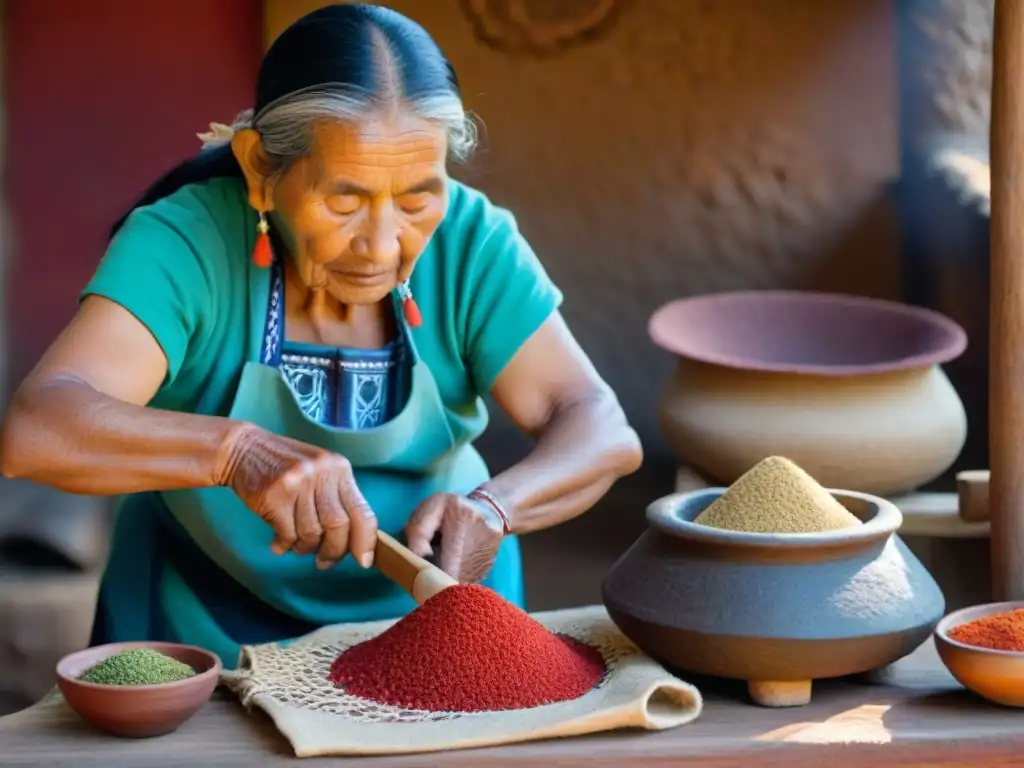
x,y
286,348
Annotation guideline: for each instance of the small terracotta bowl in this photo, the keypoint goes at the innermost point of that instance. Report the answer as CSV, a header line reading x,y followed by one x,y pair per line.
x,y
138,711
994,675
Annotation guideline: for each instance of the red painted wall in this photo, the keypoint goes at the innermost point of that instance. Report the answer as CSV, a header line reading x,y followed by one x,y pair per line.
x,y
101,97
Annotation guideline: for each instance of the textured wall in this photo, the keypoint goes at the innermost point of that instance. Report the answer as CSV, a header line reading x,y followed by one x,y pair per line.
x,y
945,78
947,55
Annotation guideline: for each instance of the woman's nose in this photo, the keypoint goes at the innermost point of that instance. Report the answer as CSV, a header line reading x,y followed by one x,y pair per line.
x,y
378,242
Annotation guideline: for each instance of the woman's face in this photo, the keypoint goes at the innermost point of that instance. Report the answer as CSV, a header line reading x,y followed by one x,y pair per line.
x,y
357,213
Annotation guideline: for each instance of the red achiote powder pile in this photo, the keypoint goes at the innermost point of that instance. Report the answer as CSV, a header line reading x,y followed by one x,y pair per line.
x,y
1001,632
467,650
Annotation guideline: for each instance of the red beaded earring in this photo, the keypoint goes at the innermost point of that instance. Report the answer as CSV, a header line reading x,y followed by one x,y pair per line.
x,y
262,254
410,309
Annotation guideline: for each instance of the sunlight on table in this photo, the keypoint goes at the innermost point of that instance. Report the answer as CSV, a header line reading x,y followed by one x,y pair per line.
x,y
861,725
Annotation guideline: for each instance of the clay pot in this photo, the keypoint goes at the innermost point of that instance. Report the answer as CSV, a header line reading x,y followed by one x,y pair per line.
x,y
775,610
849,388
138,711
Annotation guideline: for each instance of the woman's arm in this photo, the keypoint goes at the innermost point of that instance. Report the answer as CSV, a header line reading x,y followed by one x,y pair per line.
x,y
79,422
584,444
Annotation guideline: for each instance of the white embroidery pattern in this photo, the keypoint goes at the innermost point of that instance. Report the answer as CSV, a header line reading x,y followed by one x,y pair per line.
x,y
309,383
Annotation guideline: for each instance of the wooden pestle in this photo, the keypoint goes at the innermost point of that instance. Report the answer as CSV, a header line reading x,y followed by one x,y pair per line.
x,y
408,570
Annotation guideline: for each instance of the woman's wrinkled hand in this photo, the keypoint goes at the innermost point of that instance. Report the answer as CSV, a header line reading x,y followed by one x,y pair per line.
x,y
307,495
471,533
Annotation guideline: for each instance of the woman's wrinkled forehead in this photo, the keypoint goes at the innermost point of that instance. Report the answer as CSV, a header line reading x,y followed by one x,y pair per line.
x,y
400,146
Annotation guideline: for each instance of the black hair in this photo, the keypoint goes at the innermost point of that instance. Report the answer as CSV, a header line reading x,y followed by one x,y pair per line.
x,y
337,47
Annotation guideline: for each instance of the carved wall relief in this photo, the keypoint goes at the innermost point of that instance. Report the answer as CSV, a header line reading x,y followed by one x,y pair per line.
x,y
538,27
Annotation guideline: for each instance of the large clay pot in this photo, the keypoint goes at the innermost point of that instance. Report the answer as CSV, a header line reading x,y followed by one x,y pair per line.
x,y
775,610
849,388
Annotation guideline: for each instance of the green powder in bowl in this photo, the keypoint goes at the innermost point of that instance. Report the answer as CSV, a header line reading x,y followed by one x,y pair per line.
x,y
137,666
777,496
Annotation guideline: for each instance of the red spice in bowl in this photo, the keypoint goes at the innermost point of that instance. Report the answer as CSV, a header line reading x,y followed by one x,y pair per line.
x,y
1000,632
468,650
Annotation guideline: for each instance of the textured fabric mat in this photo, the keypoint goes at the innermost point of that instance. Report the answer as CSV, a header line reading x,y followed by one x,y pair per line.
x,y
290,683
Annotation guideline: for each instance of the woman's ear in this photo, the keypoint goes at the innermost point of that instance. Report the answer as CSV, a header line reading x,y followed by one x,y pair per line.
x,y
247,147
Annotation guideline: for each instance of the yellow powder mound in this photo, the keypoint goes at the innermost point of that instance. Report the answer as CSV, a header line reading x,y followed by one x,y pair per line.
x,y
776,496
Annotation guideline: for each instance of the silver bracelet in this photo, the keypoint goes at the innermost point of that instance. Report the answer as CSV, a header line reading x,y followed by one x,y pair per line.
x,y
479,494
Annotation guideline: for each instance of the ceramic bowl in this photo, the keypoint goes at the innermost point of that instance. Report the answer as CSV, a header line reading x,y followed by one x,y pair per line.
x,y
775,610
994,675
138,710
849,388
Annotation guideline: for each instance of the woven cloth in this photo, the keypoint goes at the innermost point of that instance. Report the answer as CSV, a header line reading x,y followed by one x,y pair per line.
x,y
290,683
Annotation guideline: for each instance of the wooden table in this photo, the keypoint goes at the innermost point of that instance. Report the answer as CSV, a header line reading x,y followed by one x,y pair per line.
x,y
911,714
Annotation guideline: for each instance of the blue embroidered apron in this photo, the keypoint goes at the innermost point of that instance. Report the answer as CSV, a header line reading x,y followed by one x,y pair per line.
x,y
195,566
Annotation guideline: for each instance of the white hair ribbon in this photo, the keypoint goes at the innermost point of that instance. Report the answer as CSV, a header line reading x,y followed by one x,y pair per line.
x,y
218,135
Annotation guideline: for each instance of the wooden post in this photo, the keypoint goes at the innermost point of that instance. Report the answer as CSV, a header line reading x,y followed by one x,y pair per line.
x,y
1006,319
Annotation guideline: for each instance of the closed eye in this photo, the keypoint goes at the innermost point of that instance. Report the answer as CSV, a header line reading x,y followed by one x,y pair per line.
x,y
344,205
413,204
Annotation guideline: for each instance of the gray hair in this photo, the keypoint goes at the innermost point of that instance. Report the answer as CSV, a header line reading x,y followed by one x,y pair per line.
x,y
285,125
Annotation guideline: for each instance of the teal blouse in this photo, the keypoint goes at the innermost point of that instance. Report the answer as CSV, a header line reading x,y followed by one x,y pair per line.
x,y
181,266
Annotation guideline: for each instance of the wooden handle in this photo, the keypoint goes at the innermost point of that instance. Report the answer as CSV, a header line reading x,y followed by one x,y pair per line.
x,y
972,490
408,570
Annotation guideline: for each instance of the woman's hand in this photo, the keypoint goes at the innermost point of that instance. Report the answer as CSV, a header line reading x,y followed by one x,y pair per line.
x,y
307,495
471,533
